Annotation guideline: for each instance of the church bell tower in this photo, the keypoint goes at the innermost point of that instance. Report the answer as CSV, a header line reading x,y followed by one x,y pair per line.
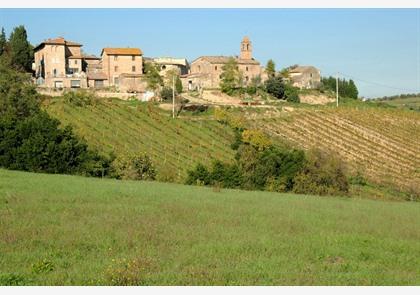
x,y
246,48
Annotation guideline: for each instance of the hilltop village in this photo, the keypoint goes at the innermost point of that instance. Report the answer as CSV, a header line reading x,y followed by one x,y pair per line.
x,y
61,64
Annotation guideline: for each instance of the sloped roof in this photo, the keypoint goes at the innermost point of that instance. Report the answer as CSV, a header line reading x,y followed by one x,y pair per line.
x,y
58,41
224,59
90,57
303,69
122,51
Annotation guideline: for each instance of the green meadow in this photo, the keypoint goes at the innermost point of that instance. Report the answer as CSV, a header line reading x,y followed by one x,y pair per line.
x,y
70,230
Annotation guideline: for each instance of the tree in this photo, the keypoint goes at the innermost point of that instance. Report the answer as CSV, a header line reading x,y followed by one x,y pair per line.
x,y
134,167
291,93
20,49
230,77
31,140
270,68
2,41
152,76
178,85
275,86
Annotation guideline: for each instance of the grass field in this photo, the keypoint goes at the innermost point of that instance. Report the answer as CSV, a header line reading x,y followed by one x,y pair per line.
x,y
408,102
68,230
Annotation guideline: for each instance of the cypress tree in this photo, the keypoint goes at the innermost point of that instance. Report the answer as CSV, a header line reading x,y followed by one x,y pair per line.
x,y
2,41
20,49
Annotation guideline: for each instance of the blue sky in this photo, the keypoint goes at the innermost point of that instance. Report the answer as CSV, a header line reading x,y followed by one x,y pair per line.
x,y
377,47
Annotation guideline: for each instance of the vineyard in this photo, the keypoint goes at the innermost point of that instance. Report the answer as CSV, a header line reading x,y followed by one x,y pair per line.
x,y
121,127
380,143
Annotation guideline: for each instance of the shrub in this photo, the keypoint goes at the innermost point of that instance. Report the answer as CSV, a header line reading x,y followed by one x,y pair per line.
x,y
166,93
198,176
275,86
291,94
80,98
256,138
134,167
321,175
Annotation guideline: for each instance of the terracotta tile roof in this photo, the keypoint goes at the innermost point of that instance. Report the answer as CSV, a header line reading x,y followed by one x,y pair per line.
x,y
75,56
122,51
58,41
224,59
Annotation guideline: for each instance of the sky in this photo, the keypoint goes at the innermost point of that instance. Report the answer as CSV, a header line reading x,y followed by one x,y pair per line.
x,y
378,48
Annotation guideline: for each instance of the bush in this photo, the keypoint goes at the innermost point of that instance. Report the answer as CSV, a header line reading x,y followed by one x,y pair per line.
x,y
275,86
198,176
291,94
321,175
134,167
80,98
166,93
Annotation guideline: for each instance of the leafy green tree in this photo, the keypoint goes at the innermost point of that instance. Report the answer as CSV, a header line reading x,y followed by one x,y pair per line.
x,y
230,77
152,76
20,49
270,68
199,176
291,93
275,86
2,41
178,85
166,93
31,140
134,167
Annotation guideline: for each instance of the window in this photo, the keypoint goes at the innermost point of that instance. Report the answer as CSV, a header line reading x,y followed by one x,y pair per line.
x,y
199,68
246,69
133,57
115,57
133,68
247,78
75,61
99,83
55,72
116,69
75,83
163,67
215,68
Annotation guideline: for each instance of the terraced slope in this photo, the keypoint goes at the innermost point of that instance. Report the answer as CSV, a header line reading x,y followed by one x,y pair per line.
x,y
174,145
382,143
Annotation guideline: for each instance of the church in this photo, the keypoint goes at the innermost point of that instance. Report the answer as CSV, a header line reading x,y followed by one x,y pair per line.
x,y
205,71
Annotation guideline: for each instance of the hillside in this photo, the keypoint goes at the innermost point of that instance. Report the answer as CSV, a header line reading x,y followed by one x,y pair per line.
x,y
379,142
68,230
383,144
174,145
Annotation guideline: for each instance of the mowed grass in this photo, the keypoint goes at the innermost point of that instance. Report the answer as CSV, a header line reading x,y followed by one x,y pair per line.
x,y
68,230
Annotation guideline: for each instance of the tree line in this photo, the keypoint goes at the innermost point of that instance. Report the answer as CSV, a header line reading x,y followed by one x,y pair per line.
x,y
346,88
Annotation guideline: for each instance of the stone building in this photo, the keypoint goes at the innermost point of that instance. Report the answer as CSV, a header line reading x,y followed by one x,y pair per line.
x,y
165,64
305,77
120,64
59,64
205,71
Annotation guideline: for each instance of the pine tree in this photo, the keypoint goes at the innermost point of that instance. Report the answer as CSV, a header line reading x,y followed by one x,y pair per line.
x,y
2,41
20,49
270,68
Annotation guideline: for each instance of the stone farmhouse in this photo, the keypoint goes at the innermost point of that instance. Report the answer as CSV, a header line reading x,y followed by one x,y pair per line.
x,y
305,77
60,63
205,71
